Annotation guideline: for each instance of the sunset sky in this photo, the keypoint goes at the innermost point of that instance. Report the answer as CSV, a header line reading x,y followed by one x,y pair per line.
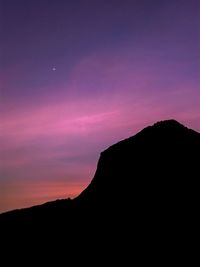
x,y
79,75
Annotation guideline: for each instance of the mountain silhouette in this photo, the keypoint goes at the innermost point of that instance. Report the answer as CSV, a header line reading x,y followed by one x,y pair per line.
x,y
145,186
158,163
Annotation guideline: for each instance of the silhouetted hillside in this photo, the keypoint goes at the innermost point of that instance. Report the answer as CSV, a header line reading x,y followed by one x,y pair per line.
x,y
159,164
145,187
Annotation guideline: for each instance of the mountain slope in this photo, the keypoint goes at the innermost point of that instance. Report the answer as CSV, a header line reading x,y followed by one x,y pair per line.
x,y
153,174
141,207
160,161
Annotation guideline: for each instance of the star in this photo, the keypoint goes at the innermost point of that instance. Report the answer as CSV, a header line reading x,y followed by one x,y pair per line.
x,y
54,69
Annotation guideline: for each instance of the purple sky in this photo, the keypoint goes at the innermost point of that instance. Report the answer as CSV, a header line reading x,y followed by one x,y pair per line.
x,y
79,75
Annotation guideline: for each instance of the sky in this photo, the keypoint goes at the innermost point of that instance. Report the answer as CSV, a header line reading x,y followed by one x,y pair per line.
x,y
77,76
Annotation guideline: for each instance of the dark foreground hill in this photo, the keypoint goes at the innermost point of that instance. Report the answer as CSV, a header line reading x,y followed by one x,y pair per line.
x,y
145,189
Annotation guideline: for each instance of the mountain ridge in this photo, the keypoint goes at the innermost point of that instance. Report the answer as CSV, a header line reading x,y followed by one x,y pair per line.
x,y
141,204
166,128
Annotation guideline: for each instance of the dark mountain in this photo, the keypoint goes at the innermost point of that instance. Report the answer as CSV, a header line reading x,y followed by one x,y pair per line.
x,y
159,165
145,188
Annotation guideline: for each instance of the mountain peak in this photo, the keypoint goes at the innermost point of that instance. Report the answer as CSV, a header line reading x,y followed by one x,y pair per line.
x,y
148,173
169,123
155,159
145,188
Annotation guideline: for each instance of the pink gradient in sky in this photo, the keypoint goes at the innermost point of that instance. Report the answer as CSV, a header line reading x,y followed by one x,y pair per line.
x,y
54,124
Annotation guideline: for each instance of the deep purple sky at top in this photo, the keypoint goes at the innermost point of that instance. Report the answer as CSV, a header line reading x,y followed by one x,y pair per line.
x,y
119,66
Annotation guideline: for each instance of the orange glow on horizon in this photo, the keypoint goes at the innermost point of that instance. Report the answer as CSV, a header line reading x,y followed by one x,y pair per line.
x,y
30,194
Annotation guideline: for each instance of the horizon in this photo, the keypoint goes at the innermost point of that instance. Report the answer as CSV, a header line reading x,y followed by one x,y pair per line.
x,y
77,77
